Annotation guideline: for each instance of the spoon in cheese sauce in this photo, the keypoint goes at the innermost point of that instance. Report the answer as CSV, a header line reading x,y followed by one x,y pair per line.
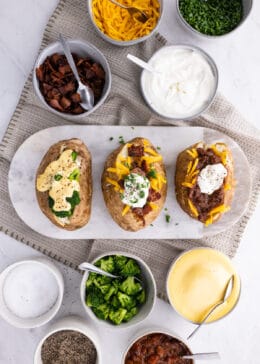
x,y
227,293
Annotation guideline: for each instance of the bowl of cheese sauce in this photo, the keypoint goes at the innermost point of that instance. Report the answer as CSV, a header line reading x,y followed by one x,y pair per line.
x,y
197,280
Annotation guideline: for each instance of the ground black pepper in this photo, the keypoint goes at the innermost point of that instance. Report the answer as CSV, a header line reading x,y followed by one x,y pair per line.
x,y
68,347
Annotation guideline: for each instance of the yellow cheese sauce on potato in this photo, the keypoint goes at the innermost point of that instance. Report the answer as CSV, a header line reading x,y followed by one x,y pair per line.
x,y
197,281
56,179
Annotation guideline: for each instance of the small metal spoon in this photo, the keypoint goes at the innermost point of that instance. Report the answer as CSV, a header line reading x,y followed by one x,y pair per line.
x,y
92,268
141,63
203,356
86,93
135,12
227,293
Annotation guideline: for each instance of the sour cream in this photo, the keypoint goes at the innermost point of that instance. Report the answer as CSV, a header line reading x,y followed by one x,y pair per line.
x,y
211,178
183,85
136,190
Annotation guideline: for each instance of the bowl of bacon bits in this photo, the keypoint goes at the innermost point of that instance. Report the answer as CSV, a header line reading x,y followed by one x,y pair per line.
x,y
56,86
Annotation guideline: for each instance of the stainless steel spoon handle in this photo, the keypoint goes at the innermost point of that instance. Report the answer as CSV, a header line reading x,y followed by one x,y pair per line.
x,y
205,319
94,269
69,57
203,356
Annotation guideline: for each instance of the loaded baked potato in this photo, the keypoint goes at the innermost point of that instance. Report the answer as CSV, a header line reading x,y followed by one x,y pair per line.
x,y
134,184
204,181
64,184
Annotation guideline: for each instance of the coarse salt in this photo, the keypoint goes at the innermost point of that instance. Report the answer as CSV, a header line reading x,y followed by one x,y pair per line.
x,y
30,290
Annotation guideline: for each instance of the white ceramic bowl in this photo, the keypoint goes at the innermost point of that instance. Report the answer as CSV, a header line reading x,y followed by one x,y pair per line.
x,y
179,256
37,321
145,309
83,49
74,323
123,43
154,330
214,69
247,7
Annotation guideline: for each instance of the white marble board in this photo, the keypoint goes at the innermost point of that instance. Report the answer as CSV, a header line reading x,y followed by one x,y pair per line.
x,y
171,140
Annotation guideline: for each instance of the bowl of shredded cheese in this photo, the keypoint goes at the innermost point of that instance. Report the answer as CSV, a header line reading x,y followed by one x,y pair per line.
x,y
118,26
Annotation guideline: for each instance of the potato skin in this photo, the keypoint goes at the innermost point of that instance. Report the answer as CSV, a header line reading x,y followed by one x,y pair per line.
x,y
82,211
182,192
115,206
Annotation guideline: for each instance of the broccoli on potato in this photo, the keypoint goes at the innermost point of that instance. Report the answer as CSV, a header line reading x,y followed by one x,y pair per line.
x,y
117,300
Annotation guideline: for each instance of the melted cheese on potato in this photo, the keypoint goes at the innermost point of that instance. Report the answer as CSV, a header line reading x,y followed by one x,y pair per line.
x,y
64,187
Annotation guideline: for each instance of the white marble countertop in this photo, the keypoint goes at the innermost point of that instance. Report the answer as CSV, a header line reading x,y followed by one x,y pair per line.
x,y
238,57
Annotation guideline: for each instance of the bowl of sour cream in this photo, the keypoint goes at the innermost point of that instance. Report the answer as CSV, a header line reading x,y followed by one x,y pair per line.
x,y
183,84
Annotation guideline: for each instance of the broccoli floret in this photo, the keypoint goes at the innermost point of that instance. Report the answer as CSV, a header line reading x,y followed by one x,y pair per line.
x,y
115,302
94,297
120,261
90,279
102,311
109,294
131,268
130,314
107,264
130,287
126,301
141,297
101,281
117,316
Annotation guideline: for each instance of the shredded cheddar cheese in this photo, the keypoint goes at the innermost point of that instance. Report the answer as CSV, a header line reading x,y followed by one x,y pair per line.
x,y
193,208
150,151
153,205
119,24
126,209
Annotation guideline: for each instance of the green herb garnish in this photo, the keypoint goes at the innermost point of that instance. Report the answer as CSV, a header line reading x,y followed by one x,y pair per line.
x,y
111,138
121,140
152,173
141,194
167,218
74,155
74,176
74,200
158,148
212,17
58,177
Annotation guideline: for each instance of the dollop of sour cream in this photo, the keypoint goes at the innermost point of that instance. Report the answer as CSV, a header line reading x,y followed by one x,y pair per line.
x,y
211,178
183,85
136,190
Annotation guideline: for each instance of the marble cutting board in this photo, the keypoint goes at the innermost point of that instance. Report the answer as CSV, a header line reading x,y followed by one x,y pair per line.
x,y
171,140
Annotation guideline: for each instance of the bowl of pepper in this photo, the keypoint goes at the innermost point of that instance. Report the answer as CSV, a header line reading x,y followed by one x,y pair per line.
x,y
213,18
69,340
56,86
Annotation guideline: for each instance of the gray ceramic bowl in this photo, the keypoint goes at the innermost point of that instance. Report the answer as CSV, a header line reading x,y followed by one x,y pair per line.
x,y
150,287
123,43
247,7
211,98
81,48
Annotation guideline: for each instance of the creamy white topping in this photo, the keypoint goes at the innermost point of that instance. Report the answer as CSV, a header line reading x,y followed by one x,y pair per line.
x,y
211,178
136,190
183,85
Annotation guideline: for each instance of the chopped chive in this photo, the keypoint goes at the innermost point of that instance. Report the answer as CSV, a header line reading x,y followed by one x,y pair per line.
x,y
121,140
167,218
74,155
158,148
111,138
58,177
152,173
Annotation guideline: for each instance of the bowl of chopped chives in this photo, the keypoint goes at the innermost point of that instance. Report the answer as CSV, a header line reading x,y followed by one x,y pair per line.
x,y
213,18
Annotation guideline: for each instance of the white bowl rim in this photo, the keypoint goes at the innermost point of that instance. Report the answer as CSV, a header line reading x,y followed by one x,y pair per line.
x,y
179,256
214,69
68,323
154,330
125,42
39,61
184,21
107,323
49,265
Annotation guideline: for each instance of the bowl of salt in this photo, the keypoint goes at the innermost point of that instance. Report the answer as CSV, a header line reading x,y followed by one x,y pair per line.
x,y
31,292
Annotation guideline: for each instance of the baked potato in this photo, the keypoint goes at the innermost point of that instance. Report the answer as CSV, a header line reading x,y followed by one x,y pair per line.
x,y
204,181
64,184
134,184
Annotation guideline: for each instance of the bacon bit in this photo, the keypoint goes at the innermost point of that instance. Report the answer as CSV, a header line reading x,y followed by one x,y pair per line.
x,y
153,195
59,86
147,209
136,150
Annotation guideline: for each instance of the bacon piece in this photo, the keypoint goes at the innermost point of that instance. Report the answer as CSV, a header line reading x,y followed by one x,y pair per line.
x,y
138,170
153,195
136,151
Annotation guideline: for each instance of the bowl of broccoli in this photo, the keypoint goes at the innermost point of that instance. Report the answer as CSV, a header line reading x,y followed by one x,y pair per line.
x,y
119,302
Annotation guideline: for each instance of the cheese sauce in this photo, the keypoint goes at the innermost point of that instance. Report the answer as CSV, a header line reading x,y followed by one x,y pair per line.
x,y
63,187
197,281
